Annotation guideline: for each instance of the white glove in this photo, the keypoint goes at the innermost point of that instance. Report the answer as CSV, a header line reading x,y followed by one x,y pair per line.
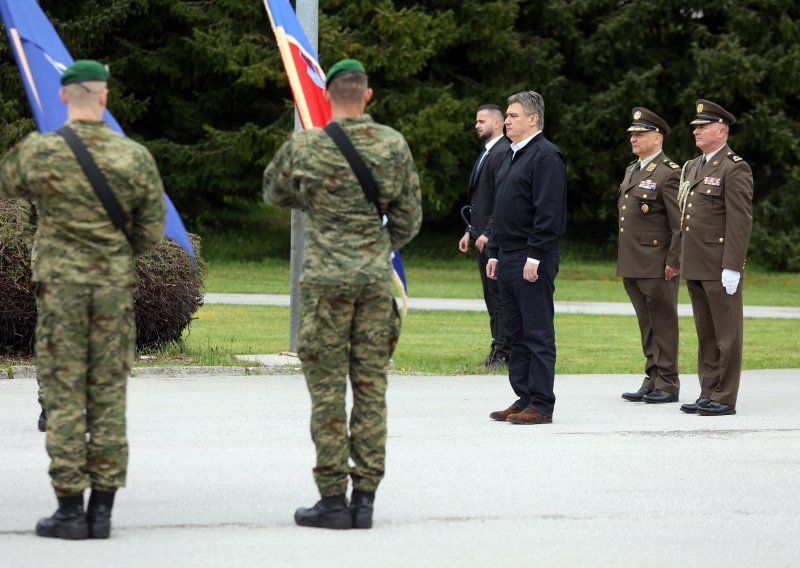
x,y
730,279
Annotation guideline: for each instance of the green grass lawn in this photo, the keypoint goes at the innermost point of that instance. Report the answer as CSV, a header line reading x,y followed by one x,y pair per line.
x,y
442,343
455,342
458,278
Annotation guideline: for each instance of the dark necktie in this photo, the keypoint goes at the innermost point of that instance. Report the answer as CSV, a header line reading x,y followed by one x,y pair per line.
x,y
476,167
637,167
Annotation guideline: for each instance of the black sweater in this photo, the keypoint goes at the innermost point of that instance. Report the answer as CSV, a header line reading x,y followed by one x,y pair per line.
x,y
530,207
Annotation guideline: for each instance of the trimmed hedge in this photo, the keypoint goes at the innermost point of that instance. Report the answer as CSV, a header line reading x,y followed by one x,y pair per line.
x,y
169,290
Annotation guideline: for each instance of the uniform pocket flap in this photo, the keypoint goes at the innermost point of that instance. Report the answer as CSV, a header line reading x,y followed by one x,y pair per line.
x,y
712,190
715,237
643,193
655,239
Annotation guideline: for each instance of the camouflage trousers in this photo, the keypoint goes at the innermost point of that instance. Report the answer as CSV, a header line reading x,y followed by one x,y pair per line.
x,y
348,329
40,388
85,339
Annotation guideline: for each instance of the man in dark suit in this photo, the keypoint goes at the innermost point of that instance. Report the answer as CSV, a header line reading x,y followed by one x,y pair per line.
x,y
648,256
530,214
489,126
716,198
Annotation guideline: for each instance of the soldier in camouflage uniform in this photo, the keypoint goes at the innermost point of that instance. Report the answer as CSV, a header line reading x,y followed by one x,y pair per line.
x,y
27,217
85,333
349,320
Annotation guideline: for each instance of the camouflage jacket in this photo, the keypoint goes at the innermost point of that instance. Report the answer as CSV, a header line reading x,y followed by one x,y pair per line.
x,y
28,221
76,240
345,241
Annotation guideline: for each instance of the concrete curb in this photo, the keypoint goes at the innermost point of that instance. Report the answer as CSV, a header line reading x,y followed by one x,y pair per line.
x,y
29,371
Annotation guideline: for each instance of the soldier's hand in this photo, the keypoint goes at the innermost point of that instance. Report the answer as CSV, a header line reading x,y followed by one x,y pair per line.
x,y
463,244
730,280
531,271
481,242
491,269
670,273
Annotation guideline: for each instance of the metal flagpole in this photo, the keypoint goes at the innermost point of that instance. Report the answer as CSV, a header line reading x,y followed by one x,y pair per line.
x,y
308,16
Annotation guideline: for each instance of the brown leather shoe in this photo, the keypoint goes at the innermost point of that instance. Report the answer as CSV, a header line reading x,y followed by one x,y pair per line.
x,y
530,416
501,415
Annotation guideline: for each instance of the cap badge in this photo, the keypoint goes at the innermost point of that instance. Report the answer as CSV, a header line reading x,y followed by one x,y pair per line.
x,y
637,115
700,107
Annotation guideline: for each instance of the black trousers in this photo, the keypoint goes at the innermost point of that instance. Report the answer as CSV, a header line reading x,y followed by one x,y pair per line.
x,y
528,322
494,305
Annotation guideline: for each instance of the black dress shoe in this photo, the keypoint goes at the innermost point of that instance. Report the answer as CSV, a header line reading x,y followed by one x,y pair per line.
x,y
68,522
636,396
42,421
714,408
659,396
328,513
692,408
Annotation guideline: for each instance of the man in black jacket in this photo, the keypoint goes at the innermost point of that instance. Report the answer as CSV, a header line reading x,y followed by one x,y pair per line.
x,y
530,214
489,126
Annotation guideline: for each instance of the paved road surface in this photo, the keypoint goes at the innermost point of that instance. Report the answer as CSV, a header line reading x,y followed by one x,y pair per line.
x,y
451,304
218,465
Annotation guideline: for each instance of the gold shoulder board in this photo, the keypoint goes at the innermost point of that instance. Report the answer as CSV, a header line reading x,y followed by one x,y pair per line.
x,y
735,158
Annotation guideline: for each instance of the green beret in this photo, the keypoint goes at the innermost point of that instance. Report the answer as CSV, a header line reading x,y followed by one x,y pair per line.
x,y
344,66
84,70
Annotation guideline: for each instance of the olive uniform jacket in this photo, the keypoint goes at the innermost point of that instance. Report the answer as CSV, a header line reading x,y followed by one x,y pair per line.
x,y
649,219
718,216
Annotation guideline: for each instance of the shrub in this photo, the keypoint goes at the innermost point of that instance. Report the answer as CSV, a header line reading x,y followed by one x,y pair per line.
x,y
169,290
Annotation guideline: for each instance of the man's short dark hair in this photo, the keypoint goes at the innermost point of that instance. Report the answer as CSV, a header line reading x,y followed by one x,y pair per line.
x,y
493,109
348,89
532,103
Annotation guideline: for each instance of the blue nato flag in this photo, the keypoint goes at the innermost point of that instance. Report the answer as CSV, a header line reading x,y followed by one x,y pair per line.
x,y
42,58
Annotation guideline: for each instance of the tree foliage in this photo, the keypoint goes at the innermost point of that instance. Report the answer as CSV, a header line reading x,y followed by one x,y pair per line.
x,y
201,83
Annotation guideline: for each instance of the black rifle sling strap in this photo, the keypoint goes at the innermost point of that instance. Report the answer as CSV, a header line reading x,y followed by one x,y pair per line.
x,y
357,164
97,180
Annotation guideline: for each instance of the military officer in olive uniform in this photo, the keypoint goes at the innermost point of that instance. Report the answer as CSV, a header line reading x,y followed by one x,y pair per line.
x,y
648,254
349,324
84,265
716,198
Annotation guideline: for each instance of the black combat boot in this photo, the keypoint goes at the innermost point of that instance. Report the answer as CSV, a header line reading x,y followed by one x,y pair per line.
x,y
98,513
43,421
68,522
361,507
328,513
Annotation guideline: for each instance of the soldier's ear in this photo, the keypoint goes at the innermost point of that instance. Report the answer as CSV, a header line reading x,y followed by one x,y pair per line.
x,y
367,95
62,94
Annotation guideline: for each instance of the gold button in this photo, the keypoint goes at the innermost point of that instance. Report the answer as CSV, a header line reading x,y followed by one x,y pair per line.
x,y
626,196
687,228
621,230
655,242
688,216
721,239
692,193
623,207
644,195
690,205
622,218
708,191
